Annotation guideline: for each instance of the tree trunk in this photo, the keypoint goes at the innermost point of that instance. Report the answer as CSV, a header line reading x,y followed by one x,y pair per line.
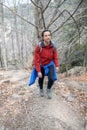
x,y
13,56
39,20
22,35
16,31
1,60
85,56
3,45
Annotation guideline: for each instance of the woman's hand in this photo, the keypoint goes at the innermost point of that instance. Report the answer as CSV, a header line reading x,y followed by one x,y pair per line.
x,y
57,69
39,74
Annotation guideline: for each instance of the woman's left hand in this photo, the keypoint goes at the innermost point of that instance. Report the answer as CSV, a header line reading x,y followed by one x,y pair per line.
x,y
57,69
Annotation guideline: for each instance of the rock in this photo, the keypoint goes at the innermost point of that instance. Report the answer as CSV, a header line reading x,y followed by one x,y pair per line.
x,y
0,92
71,97
82,86
15,75
78,70
5,81
16,95
85,126
65,95
4,128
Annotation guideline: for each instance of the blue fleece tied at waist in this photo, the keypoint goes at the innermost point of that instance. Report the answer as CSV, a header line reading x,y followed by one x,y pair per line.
x,y
34,73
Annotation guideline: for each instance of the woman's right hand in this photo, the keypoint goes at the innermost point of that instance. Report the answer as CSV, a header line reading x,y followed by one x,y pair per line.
x,y
39,74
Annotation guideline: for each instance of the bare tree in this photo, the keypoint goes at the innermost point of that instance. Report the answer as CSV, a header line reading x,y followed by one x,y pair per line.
x,y
41,8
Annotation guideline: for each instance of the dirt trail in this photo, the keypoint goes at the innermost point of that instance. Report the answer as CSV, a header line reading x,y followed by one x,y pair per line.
x,y
21,107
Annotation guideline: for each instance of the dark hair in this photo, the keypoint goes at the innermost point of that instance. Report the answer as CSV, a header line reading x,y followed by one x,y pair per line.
x,y
45,31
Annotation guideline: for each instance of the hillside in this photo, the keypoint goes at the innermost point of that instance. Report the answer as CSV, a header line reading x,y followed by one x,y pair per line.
x,y
21,108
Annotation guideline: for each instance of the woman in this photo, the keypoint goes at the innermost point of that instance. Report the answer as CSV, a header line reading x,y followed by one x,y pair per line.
x,y
45,54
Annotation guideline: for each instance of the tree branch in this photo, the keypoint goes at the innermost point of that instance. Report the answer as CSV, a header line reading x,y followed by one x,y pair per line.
x,y
41,9
18,15
68,18
55,19
43,19
42,16
35,4
41,3
75,23
55,12
46,6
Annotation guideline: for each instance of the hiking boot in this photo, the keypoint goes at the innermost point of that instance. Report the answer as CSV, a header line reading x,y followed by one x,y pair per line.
x,y
49,93
41,93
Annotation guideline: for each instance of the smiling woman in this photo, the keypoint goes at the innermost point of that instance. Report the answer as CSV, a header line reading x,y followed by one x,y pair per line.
x,y
47,57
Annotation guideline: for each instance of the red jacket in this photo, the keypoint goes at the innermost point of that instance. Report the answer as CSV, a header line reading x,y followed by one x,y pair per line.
x,y
44,55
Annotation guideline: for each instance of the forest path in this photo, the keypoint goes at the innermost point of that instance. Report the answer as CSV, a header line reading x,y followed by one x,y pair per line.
x,y
21,107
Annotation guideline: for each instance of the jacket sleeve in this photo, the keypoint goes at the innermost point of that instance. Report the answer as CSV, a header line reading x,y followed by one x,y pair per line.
x,y
37,58
55,57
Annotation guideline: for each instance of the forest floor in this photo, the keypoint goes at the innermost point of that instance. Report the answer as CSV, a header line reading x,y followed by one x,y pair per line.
x,y
21,107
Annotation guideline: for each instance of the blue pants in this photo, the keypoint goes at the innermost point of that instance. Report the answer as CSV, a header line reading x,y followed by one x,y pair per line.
x,y
50,77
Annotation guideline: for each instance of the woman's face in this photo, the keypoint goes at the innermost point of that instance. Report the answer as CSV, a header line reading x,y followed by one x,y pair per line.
x,y
47,37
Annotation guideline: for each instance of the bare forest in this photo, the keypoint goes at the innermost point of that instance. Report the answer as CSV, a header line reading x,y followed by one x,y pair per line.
x,y
21,24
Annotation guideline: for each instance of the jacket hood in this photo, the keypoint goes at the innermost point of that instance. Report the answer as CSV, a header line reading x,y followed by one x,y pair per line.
x,y
51,43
